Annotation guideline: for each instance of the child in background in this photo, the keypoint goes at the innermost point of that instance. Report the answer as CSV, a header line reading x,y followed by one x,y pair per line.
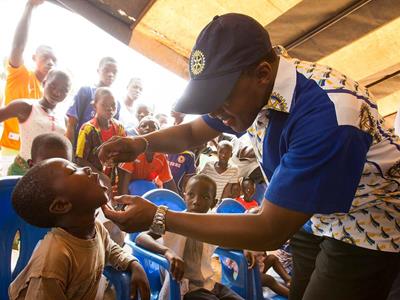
x,y
221,171
148,165
50,145
97,131
82,110
127,114
162,119
69,261
37,117
182,167
248,188
190,260
143,110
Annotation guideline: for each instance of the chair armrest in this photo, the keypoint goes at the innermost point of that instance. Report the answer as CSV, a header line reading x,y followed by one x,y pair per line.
x,y
141,252
121,281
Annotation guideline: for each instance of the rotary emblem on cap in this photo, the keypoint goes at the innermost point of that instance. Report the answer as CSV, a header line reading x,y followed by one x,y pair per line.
x,y
197,62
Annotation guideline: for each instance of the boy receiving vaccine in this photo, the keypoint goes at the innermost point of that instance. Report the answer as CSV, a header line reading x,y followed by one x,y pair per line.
x,y
70,259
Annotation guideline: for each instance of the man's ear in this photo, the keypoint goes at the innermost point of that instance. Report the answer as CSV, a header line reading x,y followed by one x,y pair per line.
x,y
264,72
34,57
60,206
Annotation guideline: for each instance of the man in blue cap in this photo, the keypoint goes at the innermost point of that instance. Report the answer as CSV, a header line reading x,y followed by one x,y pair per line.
x,y
332,166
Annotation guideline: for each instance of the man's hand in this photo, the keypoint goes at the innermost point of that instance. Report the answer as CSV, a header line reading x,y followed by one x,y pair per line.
x,y
177,266
35,2
137,215
251,259
121,149
139,282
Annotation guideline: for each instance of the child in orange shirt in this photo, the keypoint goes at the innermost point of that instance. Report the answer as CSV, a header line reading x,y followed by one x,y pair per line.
x,y
149,166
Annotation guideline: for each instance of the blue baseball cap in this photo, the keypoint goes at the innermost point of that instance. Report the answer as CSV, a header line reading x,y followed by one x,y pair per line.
x,y
223,49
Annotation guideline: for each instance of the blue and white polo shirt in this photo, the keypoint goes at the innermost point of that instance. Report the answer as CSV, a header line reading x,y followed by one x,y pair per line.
x,y
325,150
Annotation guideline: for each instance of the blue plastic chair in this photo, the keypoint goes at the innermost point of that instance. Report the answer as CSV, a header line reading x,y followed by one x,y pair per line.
x,y
230,206
166,197
30,235
242,284
140,187
150,261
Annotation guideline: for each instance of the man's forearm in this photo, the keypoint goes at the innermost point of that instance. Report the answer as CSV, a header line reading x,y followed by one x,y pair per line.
x,y
263,231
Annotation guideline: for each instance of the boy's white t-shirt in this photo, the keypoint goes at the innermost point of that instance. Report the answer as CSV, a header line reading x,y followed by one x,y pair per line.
x,y
177,243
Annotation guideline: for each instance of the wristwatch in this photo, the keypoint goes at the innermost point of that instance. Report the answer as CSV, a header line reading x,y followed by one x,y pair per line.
x,y
158,225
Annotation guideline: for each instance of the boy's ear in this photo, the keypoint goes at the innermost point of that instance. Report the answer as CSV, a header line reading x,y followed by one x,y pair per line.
x,y
30,163
60,206
213,203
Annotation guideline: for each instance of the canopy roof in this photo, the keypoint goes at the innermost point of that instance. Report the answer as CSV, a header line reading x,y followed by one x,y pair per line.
x,y
358,38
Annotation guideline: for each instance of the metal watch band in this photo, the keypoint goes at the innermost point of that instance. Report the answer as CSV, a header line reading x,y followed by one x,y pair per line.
x,y
158,225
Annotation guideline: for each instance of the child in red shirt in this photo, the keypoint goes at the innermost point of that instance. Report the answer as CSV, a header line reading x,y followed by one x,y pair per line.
x,y
248,187
97,131
149,166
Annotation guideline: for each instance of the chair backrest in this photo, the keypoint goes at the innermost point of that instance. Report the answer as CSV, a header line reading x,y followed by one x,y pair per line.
x,y
174,202
162,197
140,187
230,206
166,197
238,282
10,223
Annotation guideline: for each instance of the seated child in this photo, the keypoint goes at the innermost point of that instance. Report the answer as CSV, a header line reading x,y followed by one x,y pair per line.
x,y
37,117
149,166
69,261
248,187
265,262
190,260
221,171
97,131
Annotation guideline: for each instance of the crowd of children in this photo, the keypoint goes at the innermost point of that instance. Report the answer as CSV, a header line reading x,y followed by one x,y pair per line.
x,y
64,182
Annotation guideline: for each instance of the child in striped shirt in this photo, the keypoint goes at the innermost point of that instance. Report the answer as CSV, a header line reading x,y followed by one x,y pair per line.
x,y
222,171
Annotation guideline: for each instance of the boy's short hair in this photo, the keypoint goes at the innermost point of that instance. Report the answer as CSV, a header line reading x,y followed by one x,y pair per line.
x,y
47,141
225,143
33,195
101,91
205,178
107,60
247,179
150,118
57,72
